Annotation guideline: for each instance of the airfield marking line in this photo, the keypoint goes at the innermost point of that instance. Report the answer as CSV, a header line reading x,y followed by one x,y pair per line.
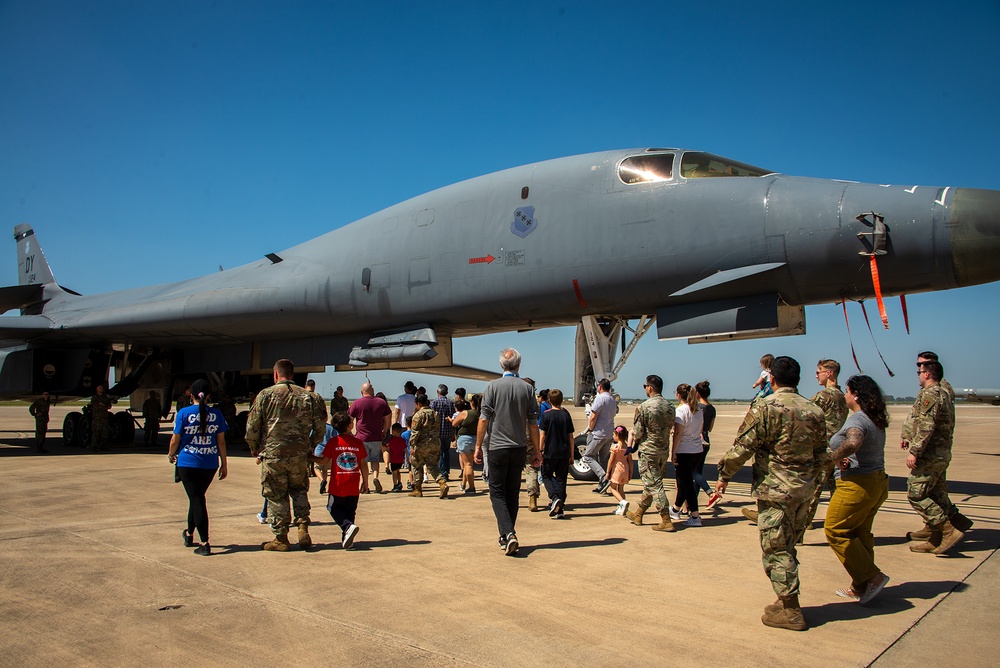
x,y
354,626
931,609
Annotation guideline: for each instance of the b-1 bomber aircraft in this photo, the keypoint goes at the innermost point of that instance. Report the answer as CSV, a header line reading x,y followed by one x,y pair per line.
x,y
704,247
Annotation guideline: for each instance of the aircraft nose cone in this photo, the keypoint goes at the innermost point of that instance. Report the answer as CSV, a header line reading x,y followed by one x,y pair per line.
x,y
975,236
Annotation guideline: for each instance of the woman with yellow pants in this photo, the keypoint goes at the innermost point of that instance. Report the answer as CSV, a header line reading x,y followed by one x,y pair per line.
x,y
859,451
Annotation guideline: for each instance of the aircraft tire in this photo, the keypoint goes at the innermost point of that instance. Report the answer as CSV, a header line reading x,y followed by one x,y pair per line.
x,y
123,428
85,430
71,429
578,470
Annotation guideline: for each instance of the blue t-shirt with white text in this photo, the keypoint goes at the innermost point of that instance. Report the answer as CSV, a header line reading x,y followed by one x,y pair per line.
x,y
199,450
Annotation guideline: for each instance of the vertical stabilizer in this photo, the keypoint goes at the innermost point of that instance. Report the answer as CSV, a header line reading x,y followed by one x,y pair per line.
x,y
32,268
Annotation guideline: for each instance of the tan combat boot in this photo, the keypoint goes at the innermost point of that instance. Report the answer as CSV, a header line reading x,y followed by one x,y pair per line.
x,y
919,534
788,616
774,607
278,544
417,491
749,513
533,502
305,541
932,543
665,523
444,489
949,536
636,515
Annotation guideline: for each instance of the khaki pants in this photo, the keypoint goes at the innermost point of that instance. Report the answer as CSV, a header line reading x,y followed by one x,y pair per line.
x,y
848,524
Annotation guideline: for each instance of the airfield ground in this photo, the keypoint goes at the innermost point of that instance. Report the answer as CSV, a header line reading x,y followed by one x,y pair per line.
x,y
94,573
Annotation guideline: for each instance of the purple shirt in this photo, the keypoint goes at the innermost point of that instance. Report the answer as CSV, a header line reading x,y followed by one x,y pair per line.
x,y
369,415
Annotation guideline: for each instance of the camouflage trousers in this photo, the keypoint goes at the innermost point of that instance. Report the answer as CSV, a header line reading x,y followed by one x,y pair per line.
x,y
99,434
927,492
41,428
531,474
281,478
779,525
651,468
150,432
425,456
823,476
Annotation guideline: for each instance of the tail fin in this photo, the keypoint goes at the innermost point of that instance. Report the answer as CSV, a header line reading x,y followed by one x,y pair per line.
x,y
31,264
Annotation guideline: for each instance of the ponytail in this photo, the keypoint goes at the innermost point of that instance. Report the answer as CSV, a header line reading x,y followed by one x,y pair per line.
x,y
689,396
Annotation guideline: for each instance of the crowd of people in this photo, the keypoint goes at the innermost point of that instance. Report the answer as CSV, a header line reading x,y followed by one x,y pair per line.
x,y
834,440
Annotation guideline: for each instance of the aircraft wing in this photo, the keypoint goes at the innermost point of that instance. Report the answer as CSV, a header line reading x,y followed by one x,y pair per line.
x,y
23,327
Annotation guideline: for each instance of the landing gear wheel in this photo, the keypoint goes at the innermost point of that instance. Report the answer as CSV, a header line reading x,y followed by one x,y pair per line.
x,y
578,469
71,430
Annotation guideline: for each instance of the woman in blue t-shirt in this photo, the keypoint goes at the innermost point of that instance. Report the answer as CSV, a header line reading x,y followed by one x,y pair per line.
x,y
198,447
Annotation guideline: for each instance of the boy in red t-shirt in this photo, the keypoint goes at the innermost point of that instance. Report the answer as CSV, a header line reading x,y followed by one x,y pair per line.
x,y
348,476
396,448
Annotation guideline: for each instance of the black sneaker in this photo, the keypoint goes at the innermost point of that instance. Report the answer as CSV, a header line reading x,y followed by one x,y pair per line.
x,y
204,550
188,540
602,486
502,543
556,510
510,549
349,535
322,487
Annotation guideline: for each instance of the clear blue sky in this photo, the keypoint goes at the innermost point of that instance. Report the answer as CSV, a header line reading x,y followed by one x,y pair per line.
x,y
152,142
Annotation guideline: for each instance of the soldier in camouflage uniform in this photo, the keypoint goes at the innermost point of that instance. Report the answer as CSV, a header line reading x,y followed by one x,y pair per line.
x,y
831,400
227,407
927,434
284,426
928,356
152,411
100,413
311,388
339,403
425,447
39,410
785,433
654,420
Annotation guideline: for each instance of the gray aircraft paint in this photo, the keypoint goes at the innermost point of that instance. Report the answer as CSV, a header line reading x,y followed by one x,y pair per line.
x,y
534,246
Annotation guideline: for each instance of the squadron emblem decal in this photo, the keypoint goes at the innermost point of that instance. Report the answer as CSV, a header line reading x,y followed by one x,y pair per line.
x,y
524,222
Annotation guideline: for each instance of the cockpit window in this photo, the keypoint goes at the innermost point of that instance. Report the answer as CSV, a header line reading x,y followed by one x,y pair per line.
x,y
647,168
698,165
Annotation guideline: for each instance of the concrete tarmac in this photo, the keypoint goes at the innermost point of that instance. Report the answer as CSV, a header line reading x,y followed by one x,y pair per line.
x,y
94,573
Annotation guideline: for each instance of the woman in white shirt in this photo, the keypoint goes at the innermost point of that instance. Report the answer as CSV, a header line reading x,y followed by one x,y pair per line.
x,y
685,452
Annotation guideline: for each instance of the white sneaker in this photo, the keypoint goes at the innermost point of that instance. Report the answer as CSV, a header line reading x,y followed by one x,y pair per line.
x,y
349,535
675,515
692,522
622,507
261,517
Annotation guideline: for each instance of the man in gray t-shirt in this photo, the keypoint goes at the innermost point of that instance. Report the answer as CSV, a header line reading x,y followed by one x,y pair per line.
x,y
509,415
602,425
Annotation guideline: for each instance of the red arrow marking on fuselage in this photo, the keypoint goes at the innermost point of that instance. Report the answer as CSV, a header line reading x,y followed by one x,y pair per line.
x,y
479,260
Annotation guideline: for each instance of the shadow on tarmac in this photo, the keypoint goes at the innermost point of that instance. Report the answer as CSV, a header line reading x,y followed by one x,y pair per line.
x,y
892,600
526,550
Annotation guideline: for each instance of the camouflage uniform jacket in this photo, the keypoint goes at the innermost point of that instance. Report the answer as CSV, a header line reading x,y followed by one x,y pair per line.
x,y
946,386
785,433
100,405
282,419
424,434
151,410
39,410
339,405
322,404
930,425
834,405
654,420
